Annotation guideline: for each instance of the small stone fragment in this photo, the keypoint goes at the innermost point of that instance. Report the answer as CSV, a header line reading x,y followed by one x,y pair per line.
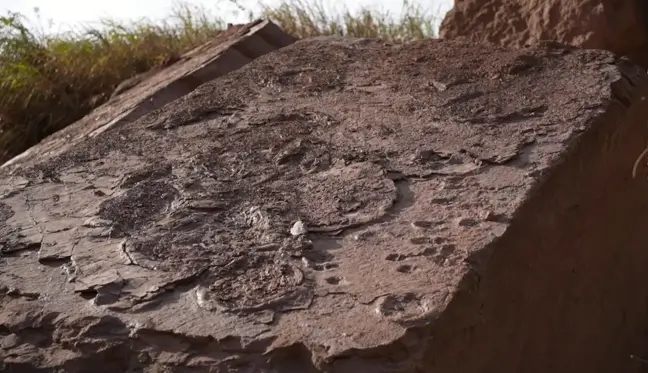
x,y
307,263
97,222
298,229
485,214
203,298
10,341
363,235
439,86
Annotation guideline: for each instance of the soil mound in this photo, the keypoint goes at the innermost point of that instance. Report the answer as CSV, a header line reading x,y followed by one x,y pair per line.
x,y
620,26
344,205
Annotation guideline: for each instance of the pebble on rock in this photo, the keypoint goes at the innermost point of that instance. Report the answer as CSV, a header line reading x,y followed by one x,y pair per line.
x,y
298,229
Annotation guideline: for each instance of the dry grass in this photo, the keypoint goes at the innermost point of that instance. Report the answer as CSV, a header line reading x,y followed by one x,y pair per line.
x,y
305,19
49,81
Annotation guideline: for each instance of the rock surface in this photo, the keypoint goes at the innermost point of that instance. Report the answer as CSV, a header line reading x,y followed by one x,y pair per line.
x,y
233,48
344,206
620,26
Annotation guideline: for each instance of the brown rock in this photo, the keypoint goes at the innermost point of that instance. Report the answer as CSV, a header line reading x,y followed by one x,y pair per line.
x,y
185,261
620,26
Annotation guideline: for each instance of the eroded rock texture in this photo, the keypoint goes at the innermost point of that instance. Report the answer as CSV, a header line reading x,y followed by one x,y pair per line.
x,y
344,206
620,26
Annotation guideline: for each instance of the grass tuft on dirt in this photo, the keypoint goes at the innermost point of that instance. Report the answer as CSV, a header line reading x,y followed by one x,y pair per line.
x,y
50,80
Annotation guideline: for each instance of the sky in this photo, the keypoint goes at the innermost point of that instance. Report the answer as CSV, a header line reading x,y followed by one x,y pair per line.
x,y
61,15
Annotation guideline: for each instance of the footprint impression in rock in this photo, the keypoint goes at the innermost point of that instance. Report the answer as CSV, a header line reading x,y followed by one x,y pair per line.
x,y
259,282
345,196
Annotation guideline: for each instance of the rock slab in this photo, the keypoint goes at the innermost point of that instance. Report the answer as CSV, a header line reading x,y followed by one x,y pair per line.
x,y
344,205
620,26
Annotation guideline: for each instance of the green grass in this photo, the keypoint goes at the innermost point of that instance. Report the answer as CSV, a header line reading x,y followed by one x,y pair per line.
x,y
48,81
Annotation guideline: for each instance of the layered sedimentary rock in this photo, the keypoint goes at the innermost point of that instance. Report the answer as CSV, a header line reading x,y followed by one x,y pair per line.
x,y
620,26
344,206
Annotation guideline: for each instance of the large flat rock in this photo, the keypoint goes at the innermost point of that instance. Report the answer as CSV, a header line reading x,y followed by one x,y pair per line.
x,y
230,50
344,205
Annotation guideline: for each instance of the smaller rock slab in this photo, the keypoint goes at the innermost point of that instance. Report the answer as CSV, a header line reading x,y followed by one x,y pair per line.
x,y
230,50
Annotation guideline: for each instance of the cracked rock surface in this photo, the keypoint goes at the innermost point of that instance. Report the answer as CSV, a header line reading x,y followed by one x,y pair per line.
x,y
343,205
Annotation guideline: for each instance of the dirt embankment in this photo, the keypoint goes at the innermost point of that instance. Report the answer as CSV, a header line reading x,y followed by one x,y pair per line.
x,y
619,26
